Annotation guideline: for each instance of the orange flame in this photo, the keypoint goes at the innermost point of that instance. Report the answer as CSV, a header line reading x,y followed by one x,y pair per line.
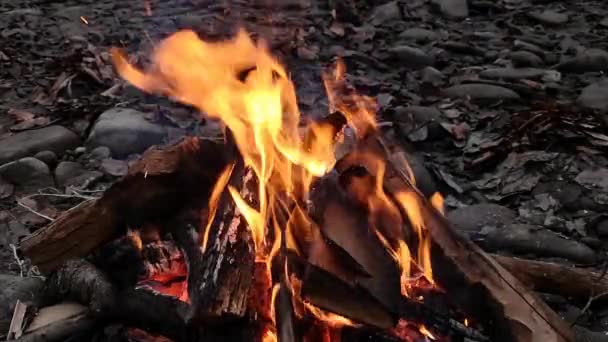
x,y
239,83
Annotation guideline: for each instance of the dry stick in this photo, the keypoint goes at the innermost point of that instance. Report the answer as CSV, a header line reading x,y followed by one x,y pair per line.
x,y
567,281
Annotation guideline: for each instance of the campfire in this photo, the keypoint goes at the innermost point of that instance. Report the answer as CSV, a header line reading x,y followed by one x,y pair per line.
x,y
286,229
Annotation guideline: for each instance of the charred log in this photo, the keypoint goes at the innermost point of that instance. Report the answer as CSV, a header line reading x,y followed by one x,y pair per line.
x,y
156,186
80,281
220,276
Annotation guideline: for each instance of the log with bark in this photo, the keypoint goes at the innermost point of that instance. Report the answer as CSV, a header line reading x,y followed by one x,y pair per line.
x,y
567,281
155,187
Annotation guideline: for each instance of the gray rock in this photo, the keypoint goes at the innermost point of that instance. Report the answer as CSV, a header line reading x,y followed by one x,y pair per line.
x,y
101,152
525,59
49,157
385,13
549,17
512,74
27,143
80,150
67,170
479,91
85,178
125,132
6,189
602,228
593,179
114,167
595,96
412,57
13,288
589,60
474,217
525,46
28,174
419,35
528,239
432,76
456,9
419,122
424,180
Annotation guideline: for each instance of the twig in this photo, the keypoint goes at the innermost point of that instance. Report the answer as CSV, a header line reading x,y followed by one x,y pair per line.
x,y
20,262
21,204
588,305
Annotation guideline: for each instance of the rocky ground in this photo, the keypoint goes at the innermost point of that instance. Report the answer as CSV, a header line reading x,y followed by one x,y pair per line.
x,y
505,103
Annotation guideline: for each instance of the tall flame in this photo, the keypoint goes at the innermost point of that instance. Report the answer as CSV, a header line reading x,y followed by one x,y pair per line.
x,y
239,83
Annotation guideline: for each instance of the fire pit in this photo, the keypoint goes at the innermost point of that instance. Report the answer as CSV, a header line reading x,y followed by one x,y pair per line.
x,y
286,230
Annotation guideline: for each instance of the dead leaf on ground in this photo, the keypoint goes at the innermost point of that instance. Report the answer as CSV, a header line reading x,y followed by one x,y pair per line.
x,y
27,120
48,98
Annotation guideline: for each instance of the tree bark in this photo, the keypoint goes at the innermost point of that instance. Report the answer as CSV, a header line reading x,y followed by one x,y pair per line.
x,y
156,186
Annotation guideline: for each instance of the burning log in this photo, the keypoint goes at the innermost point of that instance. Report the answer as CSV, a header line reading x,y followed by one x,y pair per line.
x,y
477,283
219,253
156,186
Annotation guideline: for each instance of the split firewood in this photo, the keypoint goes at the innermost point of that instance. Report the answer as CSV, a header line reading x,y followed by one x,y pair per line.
x,y
156,186
58,323
477,283
567,281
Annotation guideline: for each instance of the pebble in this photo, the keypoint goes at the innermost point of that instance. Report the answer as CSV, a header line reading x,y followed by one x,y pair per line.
x,y
49,157
593,179
589,60
418,122
80,150
67,170
412,57
474,217
525,59
28,174
115,167
525,46
419,35
125,132
595,96
455,9
27,143
549,17
480,91
432,76
529,239
85,178
6,189
101,153
14,288
512,74
385,13
602,228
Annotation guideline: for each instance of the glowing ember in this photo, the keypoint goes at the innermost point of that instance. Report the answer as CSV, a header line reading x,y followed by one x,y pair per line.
x,y
239,83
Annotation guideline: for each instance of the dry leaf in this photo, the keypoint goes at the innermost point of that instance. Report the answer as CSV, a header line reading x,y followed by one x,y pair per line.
x,y
21,115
